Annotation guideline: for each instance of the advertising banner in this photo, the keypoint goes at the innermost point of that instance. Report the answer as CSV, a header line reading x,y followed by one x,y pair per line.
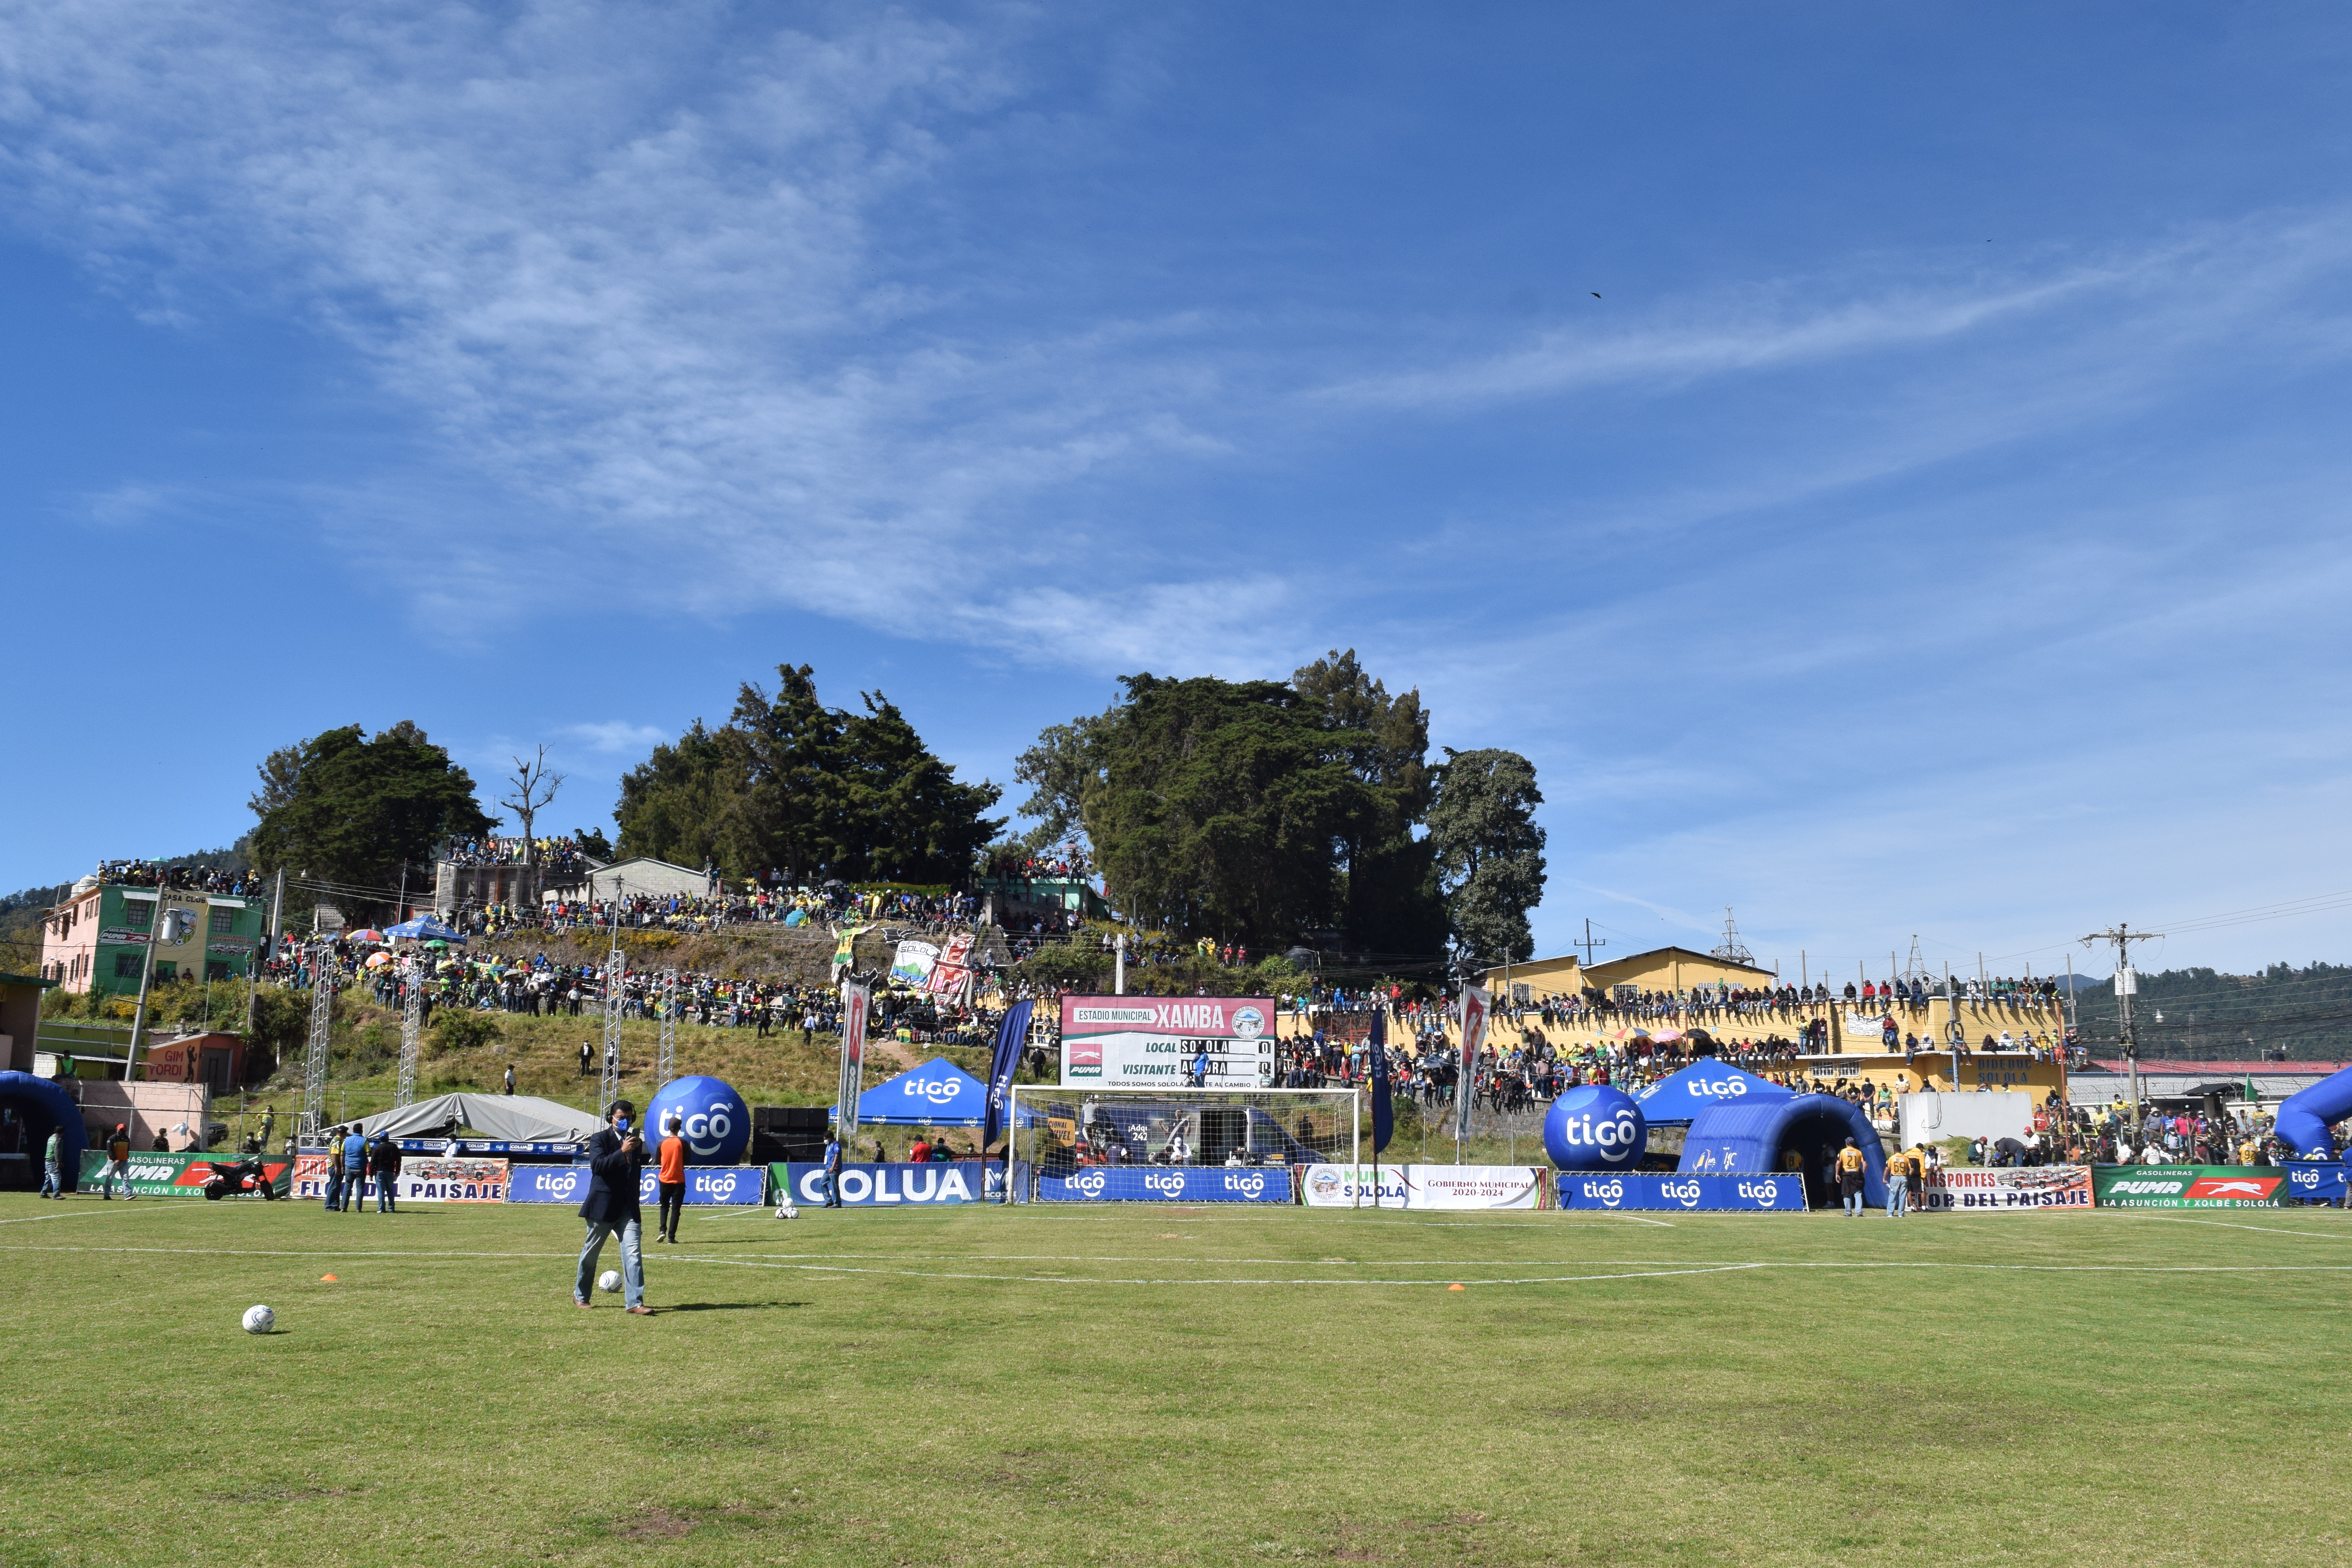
x,y
882,1186
1167,1184
175,1175
1777,1192
704,1184
425,1181
1474,1186
2008,1187
548,1185
2188,1187
1351,1186
1164,1042
2320,1182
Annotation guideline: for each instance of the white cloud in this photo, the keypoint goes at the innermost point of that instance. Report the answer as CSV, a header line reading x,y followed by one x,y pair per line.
x,y
618,735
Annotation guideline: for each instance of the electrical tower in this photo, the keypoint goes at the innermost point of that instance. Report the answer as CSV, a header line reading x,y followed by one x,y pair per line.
x,y
313,1119
666,1062
1731,949
412,1029
1916,971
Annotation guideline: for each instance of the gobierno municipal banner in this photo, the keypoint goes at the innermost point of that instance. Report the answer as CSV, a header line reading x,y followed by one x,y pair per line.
x,y
1776,1192
1167,1184
876,1186
2188,1187
435,1181
174,1176
1341,1187
2008,1187
740,1184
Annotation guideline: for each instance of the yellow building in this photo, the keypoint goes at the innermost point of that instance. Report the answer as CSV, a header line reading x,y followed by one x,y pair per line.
x,y
1667,969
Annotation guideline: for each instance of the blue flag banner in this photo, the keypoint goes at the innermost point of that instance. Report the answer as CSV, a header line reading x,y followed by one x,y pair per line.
x,y
1383,1113
1010,1036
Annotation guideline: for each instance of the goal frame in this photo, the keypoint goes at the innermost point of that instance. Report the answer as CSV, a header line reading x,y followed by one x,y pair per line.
x,y
1035,1093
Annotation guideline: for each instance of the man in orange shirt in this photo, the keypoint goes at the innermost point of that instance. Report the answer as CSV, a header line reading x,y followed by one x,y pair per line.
x,y
670,1176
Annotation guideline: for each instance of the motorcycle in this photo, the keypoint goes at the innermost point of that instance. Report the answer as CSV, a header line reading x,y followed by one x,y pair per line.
x,y
232,1178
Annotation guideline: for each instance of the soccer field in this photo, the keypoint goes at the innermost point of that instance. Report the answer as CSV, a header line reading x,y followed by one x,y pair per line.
x,y
1136,1385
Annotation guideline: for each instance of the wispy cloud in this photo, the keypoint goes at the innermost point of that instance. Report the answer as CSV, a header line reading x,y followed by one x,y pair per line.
x,y
617,735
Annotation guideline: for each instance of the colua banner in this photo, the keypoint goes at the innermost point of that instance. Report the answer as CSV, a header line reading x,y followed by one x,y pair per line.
x,y
1169,1184
881,1187
2188,1187
1163,1042
1777,1191
2008,1187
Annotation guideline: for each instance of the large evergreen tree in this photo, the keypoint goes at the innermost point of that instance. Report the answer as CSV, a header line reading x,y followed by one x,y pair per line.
x,y
341,807
1489,853
1389,898
788,784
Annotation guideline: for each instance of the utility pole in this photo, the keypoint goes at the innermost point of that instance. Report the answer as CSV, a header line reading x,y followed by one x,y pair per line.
x,y
253,959
1590,942
162,926
1118,962
2126,987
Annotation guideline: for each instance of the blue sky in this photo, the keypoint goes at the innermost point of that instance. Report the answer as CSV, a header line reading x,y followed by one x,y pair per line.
x,y
1887,466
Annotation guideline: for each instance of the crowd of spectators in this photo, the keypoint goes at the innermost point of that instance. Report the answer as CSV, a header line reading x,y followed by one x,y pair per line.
x,y
559,858
181,879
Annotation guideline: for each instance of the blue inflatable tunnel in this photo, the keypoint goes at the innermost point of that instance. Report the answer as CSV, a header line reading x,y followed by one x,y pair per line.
x,y
1800,1135
45,1109
2304,1116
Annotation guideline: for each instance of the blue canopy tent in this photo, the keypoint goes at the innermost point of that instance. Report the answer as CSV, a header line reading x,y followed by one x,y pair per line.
x,y
937,1094
424,928
1674,1100
1740,1140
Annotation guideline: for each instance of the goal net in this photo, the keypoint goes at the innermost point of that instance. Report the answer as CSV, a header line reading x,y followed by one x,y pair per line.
x,y
1059,1131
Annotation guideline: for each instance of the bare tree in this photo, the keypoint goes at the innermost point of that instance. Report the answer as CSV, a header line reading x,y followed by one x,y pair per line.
x,y
534,787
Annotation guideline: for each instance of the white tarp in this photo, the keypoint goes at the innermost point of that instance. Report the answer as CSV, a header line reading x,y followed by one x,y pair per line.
x,y
506,1117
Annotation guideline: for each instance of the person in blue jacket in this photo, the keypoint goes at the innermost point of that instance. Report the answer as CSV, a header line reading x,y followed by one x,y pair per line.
x,y
615,1157
832,1170
355,1150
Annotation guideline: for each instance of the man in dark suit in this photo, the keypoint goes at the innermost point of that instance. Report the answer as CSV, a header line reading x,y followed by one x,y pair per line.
x,y
615,1155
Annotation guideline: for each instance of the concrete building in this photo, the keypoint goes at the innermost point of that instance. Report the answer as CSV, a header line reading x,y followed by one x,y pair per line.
x,y
97,939
20,1019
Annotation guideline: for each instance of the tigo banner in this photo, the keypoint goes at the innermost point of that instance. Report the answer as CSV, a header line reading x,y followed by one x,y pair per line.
x,y
548,1185
2007,1187
1474,1186
709,1184
174,1176
1169,1184
2188,1187
883,1187
1350,1186
2318,1182
1776,1191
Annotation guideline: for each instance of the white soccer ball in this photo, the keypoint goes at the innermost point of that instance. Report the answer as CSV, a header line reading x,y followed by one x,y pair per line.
x,y
786,1210
259,1319
609,1280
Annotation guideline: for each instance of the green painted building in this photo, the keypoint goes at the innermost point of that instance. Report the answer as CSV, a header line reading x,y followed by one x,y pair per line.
x,y
98,937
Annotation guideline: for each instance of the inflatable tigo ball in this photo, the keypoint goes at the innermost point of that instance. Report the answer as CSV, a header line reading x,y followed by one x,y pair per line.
x,y
716,1123
258,1319
1595,1128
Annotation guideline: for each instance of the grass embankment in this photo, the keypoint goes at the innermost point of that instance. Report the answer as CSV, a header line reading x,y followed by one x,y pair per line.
x,y
1156,1385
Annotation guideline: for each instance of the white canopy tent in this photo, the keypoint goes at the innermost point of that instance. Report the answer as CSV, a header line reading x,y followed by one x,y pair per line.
x,y
504,1118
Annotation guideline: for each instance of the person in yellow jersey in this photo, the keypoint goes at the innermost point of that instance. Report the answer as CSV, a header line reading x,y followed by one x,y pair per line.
x,y
1849,1172
1898,1191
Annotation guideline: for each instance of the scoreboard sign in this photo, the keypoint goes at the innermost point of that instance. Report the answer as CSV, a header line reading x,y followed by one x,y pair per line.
x,y
1168,1042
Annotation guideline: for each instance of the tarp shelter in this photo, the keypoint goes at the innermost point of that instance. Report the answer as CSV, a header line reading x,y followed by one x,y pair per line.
x,y
937,1094
1674,1100
424,928
502,1118
1803,1133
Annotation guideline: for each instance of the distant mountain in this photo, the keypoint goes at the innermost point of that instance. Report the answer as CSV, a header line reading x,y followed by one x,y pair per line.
x,y
2202,1014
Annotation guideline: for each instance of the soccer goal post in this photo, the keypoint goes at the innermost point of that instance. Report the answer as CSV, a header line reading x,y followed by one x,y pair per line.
x,y
1060,1131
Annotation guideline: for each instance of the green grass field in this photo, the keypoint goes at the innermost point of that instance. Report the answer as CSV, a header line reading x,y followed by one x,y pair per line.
x,y
1124,1385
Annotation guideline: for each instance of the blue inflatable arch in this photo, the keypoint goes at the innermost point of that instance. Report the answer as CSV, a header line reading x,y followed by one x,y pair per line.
x,y
47,1108
1804,1133
2304,1116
